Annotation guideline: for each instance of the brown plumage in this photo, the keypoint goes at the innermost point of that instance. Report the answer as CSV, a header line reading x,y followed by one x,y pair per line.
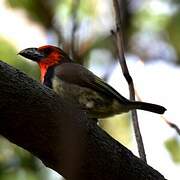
x,y
76,83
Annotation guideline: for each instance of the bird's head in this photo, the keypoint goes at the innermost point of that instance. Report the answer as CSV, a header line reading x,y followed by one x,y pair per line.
x,y
46,56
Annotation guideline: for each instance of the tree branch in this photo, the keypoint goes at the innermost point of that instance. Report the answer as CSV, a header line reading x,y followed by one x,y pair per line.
x,y
122,61
35,118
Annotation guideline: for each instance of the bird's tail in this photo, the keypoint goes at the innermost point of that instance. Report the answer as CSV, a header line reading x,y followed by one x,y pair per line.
x,y
147,107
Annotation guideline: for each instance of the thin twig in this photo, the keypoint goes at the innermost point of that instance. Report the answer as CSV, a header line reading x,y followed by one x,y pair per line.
x,y
122,61
170,124
75,6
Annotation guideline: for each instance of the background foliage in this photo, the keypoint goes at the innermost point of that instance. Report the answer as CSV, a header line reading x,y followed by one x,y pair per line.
x,y
82,28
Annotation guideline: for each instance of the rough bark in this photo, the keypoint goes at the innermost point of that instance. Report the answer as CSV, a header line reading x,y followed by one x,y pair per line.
x,y
35,118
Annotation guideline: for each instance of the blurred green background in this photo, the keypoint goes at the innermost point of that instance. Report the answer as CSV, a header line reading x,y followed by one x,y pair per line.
x,y
82,28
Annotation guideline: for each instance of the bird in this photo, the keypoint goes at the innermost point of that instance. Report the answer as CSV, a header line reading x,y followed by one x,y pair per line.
x,y
81,86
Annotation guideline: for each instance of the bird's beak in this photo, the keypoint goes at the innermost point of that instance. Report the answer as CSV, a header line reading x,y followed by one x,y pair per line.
x,y
32,53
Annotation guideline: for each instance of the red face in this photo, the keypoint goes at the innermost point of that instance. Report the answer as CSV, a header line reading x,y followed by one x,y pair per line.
x,y
46,56
52,56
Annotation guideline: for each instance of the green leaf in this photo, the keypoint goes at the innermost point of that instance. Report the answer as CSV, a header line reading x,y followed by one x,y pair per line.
x,y
8,54
173,147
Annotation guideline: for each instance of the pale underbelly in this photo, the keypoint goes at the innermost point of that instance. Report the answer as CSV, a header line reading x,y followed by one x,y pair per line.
x,y
96,104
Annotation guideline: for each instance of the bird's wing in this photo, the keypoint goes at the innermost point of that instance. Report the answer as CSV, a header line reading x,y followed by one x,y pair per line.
x,y
77,74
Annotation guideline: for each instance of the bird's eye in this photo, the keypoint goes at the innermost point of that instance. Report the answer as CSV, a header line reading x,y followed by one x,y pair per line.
x,y
47,51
